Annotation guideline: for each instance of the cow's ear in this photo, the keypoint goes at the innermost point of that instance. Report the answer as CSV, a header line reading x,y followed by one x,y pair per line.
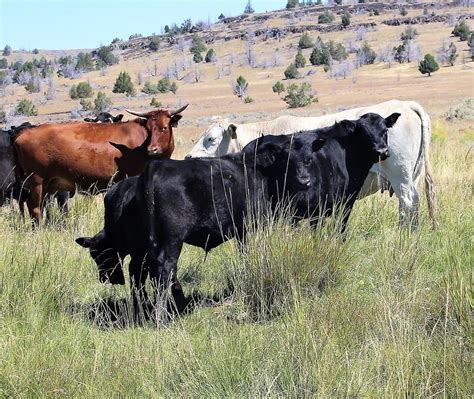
x,y
392,119
119,117
121,147
232,129
85,242
347,126
317,144
267,153
175,119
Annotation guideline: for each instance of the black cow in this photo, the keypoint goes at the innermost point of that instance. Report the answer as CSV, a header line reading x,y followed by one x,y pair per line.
x,y
105,117
201,201
341,160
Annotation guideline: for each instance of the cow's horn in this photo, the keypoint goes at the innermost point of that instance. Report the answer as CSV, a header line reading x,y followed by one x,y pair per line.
x,y
140,114
179,110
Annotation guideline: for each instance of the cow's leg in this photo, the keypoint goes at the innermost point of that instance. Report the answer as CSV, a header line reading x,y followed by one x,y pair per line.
x,y
138,273
408,199
62,198
163,269
35,199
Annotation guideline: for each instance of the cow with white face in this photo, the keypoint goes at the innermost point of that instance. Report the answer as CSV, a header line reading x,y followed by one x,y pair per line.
x,y
408,142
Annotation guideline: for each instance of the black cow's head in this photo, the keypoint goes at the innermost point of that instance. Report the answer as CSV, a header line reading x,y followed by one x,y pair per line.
x,y
110,269
372,130
287,159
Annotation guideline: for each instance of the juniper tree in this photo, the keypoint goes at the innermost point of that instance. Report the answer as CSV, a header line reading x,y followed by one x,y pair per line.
x,y
240,87
300,60
428,65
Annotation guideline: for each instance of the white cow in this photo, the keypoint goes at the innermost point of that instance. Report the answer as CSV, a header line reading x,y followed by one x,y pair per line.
x,y
408,141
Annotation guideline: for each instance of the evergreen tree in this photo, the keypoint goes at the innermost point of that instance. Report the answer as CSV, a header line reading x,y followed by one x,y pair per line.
x,y
326,17
320,56
26,107
240,87
197,57
346,19
7,50
292,72
278,88
299,96
124,84
461,30
292,4
211,56
428,65
300,60
197,45
102,103
305,41
248,8
173,87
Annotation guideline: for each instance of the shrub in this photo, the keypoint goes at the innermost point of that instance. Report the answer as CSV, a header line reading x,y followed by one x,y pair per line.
x,y
35,51
248,100
211,56
84,62
292,4
82,90
33,85
409,34
154,43
300,60
124,84
197,45
26,107
305,41
403,12
240,87
7,50
150,88
292,72
3,63
197,57
365,55
428,65
164,85
278,88
173,87
102,103
155,103
320,56
86,104
448,55
346,19
470,44
326,17
105,55
299,96
464,111
461,30
248,8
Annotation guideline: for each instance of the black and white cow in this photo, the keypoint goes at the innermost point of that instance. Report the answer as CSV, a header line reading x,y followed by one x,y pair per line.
x,y
105,117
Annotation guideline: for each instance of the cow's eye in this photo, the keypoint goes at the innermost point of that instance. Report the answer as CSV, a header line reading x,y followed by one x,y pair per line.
x,y
307,161
211,139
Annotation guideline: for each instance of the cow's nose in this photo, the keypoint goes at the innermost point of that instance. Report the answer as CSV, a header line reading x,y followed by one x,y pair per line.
x,y
187,156
154,150
305,181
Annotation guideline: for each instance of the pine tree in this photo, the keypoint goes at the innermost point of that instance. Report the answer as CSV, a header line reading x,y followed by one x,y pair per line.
x,y
210,56
305,41
292,72
428,65
278,88
346,19
124,84
240,87
197,44
248,8
300,60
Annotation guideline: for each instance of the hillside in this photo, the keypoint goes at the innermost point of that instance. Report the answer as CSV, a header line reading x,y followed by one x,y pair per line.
x,y
269,42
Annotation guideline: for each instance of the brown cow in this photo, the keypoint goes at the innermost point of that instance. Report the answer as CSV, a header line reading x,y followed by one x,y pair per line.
x,y
61,157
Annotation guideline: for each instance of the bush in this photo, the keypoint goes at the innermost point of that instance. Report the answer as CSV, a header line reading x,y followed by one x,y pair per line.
x,y
155,103
300,60
326,17
173,87
292,72
124,84
299,96
292,4
305,41
197,57
35,51
409,34
210,56
365,55
82,90
248,100
428,65
102,103
197,45
150,88
105,55
320,56
403,12
278,88
164,85
154,43
324,52
346,19
7,50
464,111
84,62
3,116
34,85
3,63
461,30
86,104
240,87
26,107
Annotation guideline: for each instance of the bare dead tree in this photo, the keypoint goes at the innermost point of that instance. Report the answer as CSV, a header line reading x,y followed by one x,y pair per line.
x,y
51,92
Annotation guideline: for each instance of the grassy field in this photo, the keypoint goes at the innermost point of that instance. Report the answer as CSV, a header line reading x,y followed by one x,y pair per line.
x,y
386,313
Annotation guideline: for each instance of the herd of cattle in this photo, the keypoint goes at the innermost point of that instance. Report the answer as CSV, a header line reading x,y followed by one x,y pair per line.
x,y
158,204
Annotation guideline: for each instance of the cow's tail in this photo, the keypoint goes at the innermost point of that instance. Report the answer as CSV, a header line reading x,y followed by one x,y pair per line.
x,y
424,160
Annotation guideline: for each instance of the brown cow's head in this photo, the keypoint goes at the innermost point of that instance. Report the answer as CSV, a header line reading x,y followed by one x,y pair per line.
x,y
160,124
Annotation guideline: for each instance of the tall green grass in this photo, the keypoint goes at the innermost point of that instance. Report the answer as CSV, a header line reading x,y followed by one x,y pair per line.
x,y
384,313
